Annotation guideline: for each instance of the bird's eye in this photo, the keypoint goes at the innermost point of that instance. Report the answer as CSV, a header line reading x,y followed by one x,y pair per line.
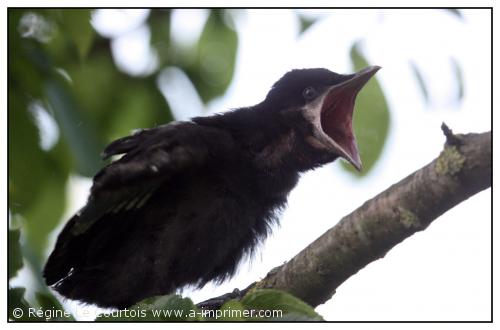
x,y
309,93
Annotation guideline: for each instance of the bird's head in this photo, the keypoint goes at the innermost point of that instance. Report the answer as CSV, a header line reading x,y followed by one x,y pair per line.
x,y
325,102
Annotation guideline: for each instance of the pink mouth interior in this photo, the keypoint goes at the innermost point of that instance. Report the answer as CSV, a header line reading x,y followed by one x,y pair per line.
x,y
336,117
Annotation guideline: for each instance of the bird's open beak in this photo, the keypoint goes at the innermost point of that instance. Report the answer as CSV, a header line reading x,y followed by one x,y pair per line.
x,y
336,115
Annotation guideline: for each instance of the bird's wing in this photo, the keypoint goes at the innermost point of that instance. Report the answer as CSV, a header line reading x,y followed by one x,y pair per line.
x,y
150,157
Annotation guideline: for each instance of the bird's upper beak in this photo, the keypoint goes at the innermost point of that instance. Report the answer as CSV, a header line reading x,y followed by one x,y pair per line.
x,y
336,111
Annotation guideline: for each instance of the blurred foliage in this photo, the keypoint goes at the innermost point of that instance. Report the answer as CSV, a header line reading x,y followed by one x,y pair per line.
x,y
457,78
215,56
420,81
176,308
47,301
371,118
58,63
17,303
457,70
15,256
161,308
305,23
151,309
293,308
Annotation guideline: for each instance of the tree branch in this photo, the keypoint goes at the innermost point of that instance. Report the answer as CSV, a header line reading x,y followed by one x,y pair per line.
x,y
462,169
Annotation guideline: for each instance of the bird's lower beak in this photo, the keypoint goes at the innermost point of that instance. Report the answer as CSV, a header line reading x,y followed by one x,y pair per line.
x,y
336,114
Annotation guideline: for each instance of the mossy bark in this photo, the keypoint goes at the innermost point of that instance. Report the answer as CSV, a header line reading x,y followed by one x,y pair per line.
x,y
462,169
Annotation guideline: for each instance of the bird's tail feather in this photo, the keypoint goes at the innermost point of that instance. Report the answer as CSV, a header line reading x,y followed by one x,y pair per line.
x,y
63,258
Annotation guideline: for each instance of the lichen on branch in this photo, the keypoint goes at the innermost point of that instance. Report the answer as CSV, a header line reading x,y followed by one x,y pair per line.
x,y
461,170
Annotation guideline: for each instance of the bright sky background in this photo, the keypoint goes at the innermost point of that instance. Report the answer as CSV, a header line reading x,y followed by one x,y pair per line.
x,y
442,273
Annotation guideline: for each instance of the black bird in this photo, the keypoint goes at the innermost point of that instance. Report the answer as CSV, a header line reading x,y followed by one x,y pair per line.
x,y
187,200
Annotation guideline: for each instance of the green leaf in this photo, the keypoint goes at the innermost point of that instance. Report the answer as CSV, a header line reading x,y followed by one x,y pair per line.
x,y
305,23
159,21
15,256
48,302
213,69
371,118
233,310
76,24
270,299
140,105
161,308
173,304
457,70
128,103
33,172
26,158
37,178
89,81
26,59
420,81
18,307
78,131
45,214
